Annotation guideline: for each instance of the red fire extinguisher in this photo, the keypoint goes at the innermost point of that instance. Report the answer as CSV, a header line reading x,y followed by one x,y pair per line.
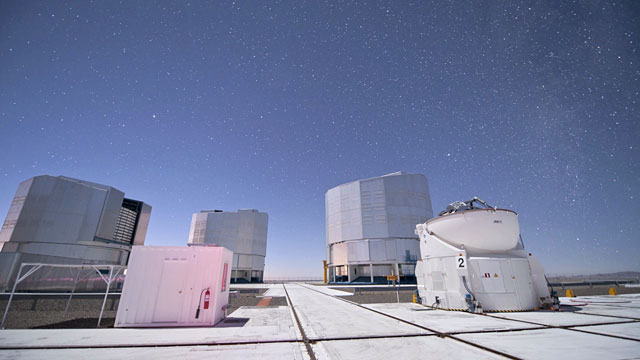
x,y
207,296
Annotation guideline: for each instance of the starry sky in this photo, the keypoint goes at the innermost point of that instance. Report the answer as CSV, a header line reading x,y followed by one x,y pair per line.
x,y
267,105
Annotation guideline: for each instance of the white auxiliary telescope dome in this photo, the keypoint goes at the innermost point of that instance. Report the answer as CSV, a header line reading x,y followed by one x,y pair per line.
x,y
473,258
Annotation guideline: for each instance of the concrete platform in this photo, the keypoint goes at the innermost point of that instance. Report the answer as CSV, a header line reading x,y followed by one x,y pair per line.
x,y
610,310
425,347
557,344
245,325
555,318
630,330
340,329
325,317
448,321
278,290
232,352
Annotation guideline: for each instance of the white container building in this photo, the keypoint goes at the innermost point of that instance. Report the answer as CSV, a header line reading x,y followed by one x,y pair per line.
x,y
244,232
175,286
60,220
370,227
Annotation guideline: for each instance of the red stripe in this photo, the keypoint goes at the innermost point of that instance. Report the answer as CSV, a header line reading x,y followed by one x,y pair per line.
x,y
265,301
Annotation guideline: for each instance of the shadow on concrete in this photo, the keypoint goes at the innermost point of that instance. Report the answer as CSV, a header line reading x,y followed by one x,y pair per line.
x,y
232,322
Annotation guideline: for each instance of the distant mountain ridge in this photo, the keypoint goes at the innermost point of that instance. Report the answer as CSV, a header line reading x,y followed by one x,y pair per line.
x,y
621,275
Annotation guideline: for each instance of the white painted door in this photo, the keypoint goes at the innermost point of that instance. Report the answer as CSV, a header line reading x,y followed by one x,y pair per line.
x,y
523,284
171,293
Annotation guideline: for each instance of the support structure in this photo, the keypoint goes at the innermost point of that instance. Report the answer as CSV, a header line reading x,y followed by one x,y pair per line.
x,y
324,267
397,271
371,271
108,282
33,267
75,282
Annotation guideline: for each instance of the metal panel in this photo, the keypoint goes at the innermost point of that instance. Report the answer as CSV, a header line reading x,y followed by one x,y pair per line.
x,y
236,261
391,249
9,264
382,270
143,224
507,279
257,262
437,281
509,291
537,275
491,276
407,269
110,213
171,293
523,284
14,210
407,203
377,250
358,250
332,213
339,254
244,261
351,220
244,232
407,250
59,211
374,213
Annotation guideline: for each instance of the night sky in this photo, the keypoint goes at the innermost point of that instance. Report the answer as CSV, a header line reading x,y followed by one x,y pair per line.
x,y
267,105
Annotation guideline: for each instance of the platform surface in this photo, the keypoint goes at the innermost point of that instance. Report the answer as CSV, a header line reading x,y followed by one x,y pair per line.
x,y
594,327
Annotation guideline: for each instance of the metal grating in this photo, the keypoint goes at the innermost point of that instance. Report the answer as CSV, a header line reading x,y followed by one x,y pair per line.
x,y
126,226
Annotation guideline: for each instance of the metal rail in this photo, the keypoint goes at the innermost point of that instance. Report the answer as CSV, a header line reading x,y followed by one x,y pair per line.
x,y
147,345
608,335
592,283
59,294
612,316
33,267
305,339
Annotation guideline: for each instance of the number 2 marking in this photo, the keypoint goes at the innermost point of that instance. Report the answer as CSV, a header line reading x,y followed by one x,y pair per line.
x,y
460,262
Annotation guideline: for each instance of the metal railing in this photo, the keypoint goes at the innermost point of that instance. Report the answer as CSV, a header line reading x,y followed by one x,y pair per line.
x,y
590,283
113,272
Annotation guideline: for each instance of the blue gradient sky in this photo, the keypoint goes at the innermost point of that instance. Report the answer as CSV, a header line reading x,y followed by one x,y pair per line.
x,y
227,105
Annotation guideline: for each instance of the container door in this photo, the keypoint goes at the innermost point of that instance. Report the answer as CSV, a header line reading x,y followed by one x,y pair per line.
x,y
523,283
171,293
